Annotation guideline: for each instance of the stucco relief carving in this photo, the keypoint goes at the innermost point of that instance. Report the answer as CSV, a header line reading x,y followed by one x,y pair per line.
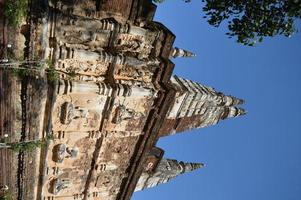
x,y
57,185
91,33
61,151
106,181
92,68
104,58
87,38
86,78
134,43
115,152
70,112
143,74
124,113
73,117
133,82
95,34
149,166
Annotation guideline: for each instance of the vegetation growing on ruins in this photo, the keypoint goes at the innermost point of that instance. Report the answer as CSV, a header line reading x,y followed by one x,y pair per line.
x,y
6,195
15,10
71,73
26,146
23,69
52,74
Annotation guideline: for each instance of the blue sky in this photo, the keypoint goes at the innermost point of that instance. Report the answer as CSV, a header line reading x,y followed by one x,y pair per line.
x,y
257,156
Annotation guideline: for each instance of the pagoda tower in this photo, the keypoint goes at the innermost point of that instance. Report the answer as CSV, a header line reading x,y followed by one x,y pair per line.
x,y
198,106
178,52
166,170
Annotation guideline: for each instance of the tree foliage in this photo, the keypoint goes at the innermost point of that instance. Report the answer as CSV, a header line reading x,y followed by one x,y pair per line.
x,y
15,10
250,21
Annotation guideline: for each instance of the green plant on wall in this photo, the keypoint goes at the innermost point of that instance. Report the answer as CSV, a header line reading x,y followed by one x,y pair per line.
x,y
52,74
6,195
15,10
71,73
18,72
27,146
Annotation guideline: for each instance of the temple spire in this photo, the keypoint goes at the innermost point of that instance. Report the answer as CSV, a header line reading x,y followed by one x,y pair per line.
x,y
189,167
177,52
233,112
198,106
166,170
232,101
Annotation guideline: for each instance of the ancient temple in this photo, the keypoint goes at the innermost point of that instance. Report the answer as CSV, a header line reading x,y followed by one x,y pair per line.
x,y
97,80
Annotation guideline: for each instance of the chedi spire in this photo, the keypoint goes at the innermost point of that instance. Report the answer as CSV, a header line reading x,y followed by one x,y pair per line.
x,y
233,112
177,52
198,106
232,101
166,170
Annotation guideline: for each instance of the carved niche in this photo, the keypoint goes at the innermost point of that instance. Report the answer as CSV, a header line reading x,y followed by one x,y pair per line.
x,y
124,113
70,112
90,67
133,43
82,32
61,151
143,74
57,185
78,114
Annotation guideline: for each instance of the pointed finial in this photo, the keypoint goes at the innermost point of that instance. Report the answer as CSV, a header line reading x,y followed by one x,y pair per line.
x,y
235,112
177,52
232,101
167,170
173,167
189,167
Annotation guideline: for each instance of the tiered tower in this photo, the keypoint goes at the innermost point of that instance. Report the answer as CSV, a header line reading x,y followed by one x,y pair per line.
x,y
166,170
198,106
177,52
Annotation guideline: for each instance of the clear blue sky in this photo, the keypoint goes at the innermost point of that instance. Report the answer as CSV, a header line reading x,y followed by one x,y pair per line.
x,y
255,157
